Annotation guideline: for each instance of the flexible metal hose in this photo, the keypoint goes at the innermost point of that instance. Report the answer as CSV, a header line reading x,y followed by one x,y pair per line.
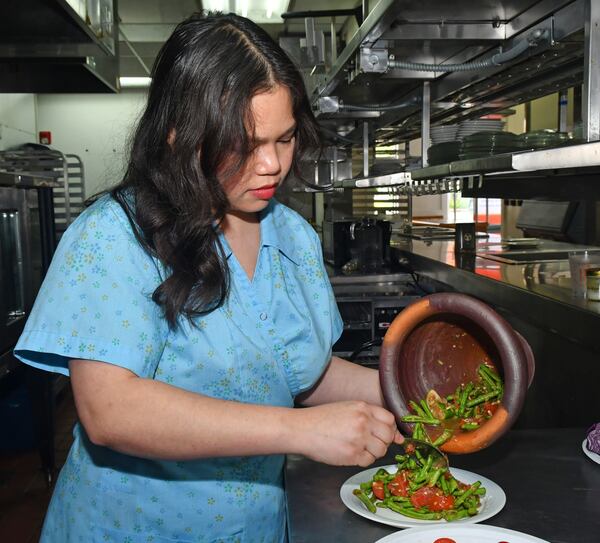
x,y
496,60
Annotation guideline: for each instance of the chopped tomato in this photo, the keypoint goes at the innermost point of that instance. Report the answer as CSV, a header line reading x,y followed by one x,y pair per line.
x,y
399,485
442,503
378,490
423,497
444,540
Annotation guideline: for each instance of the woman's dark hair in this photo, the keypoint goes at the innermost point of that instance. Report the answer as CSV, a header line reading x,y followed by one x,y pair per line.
x,y
197,116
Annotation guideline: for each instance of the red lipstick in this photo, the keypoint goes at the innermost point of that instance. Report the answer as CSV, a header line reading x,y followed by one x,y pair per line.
x,y
264,193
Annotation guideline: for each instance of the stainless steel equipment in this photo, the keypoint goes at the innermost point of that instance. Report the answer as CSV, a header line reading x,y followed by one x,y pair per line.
x,y
20,260
368,304
27,243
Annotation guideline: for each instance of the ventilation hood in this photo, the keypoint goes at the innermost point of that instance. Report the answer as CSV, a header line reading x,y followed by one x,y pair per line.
x,y
51,46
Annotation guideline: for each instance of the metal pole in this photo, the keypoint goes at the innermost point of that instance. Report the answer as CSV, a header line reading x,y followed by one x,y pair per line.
x,y
365,149
311,42
333,41
563,102
334,168
591,72
425,120
454,204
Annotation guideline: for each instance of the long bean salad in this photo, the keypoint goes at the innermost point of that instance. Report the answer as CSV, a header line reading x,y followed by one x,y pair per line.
x,y
436,418
420,489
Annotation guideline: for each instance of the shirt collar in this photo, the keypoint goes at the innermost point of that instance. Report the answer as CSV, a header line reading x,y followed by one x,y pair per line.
x,y
271,235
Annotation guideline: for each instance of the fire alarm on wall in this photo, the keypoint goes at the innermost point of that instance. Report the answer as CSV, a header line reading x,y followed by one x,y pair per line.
x,y
45,137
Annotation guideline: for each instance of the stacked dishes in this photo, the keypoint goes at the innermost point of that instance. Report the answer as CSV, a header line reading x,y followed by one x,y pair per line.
x,y
443,133
541,139
467,128
445,146
484,144
442,153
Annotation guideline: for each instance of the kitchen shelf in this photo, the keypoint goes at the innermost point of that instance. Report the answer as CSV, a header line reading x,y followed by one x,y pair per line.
x,y
575,158
37,28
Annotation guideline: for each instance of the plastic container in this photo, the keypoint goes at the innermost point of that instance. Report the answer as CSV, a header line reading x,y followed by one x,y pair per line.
x,y
592,281
579,262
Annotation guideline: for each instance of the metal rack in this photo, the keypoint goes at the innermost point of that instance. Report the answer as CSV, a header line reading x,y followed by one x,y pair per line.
x,y
371,101
66,170
394,100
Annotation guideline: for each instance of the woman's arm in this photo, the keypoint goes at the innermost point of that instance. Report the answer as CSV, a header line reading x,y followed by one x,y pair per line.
x,y
151,419
344,380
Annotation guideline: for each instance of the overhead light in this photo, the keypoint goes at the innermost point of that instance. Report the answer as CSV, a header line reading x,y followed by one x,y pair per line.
x,y
259,11
134,82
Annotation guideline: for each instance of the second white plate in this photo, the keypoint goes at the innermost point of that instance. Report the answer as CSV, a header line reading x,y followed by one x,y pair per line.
x,y
460,534
491,503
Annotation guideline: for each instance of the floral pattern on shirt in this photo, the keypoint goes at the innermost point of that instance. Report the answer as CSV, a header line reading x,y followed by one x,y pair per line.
x,y
270,341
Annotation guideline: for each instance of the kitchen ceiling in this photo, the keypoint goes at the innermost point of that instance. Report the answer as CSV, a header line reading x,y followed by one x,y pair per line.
x,y
146,24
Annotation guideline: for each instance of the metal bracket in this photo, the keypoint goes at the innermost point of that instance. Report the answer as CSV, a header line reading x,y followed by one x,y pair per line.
x,y
373,60
328,104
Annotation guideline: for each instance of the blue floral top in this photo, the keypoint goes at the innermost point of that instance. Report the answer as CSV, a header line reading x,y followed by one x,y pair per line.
x,y
270,341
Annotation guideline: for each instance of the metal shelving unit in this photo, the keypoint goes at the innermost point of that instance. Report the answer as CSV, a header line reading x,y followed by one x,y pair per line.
x,y
580,157
65,172
364,87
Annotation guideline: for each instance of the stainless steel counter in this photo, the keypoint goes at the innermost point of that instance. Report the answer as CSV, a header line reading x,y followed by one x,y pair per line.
x,y
552,489
539,292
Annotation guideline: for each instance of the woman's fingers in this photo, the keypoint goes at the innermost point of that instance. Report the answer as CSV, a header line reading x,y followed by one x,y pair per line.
x,y
346,433
365,459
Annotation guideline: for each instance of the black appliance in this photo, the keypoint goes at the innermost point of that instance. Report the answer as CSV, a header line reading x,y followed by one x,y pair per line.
x,y
337,242
371,239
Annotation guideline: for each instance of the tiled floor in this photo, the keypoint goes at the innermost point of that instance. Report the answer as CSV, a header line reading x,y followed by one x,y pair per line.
x,y
24,495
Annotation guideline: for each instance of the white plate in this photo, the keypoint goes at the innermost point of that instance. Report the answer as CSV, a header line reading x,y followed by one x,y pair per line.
x,y
470,533
590,454
491,503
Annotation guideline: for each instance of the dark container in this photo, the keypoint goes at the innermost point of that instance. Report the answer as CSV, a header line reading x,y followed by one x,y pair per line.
x,y
464,237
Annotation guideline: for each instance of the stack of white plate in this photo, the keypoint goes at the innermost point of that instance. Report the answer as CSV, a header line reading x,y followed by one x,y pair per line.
x,y
443,134
466,128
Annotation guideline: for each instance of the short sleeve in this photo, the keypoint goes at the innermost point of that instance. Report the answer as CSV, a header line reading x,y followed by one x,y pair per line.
x,y
96,299
337,324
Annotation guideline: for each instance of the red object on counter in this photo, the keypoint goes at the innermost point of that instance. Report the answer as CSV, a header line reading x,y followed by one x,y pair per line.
x,y
45,137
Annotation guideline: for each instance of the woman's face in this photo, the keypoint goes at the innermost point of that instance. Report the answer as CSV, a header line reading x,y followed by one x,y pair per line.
x,y
251,188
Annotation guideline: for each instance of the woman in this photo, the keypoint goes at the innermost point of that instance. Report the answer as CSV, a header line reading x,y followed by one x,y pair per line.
x,y
191,310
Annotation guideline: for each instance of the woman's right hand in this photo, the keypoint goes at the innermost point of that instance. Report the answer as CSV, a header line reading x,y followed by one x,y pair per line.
x,y
345,433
